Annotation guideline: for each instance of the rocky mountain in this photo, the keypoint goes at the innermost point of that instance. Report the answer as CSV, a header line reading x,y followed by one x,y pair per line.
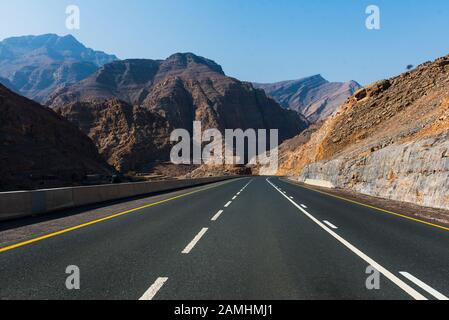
x,y
129,108
314,97
35,66
390,139
38,148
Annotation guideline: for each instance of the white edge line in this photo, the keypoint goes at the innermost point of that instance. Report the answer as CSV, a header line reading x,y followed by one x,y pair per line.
x,y
154,289
215,218
424,286
192,244
401,284
330,224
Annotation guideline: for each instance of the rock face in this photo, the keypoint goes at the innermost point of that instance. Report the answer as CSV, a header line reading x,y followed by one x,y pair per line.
x,y
130,138
314,97
389,139
414,172
40,149
129,108
35,66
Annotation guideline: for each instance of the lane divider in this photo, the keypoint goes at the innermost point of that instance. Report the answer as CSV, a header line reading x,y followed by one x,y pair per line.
x,y
197,238
219,213
203,231
154,289
424,286
159,283
401,284
215,218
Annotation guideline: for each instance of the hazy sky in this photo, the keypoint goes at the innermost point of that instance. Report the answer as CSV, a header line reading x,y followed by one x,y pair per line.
x,y
254,40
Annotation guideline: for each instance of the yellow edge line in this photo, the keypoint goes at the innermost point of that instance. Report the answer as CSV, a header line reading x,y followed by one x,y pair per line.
x,y
84,225
371,207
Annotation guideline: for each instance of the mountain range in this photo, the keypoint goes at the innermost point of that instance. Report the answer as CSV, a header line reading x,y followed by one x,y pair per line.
x,y
130,107
35,66
314,97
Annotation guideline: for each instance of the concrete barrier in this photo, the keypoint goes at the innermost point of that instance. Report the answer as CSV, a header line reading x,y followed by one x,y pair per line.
x,y
320,183
28,203
15,204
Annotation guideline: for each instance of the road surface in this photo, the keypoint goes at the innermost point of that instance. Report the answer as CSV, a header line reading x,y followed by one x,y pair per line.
x,y
245,239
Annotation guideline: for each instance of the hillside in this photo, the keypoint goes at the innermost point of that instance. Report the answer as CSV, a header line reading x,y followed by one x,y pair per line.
x,y
389,139
40,149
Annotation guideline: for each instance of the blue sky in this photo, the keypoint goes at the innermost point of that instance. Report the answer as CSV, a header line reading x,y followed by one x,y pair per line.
x,y
254,40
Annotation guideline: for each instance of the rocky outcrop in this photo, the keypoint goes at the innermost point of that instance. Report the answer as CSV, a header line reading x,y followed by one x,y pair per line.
x,y
40,149
416,172
129,137
314,97
389,140
129,108
36,66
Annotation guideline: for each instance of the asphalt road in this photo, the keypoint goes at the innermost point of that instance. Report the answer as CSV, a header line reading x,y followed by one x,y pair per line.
x,y
251,238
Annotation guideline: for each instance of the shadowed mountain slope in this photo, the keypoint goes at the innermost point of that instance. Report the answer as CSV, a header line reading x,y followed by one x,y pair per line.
x,y
39,149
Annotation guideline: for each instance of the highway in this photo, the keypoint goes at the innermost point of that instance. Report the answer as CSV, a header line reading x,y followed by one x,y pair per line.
x,y
245,239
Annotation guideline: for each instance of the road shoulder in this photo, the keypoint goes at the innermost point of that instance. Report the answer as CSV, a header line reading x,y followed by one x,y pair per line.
x,y
437,217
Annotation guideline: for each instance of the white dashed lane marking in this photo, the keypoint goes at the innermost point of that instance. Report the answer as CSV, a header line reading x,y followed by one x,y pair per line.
x,y
215,218
154,289
192,244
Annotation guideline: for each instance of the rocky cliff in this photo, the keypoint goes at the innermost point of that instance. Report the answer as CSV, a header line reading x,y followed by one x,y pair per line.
x,y
40,149
129,108
389,139
314,97
35,66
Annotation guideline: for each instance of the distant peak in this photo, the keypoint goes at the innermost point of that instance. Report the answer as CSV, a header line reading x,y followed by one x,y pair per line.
x,y
188,58
355,83
55,47
318,76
